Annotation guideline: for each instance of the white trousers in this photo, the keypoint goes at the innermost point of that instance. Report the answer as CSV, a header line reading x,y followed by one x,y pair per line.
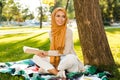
x,y
69,62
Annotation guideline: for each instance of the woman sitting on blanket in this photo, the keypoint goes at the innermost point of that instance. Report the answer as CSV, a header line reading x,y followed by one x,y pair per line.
x,y
61,55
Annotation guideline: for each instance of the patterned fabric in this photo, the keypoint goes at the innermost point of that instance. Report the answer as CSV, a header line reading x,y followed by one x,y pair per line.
x,y
29,70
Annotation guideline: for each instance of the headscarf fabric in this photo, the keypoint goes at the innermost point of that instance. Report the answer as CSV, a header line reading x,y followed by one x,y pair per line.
x,y
58,36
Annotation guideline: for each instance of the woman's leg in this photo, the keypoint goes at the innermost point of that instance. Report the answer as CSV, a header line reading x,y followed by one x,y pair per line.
x,y
44,63
53,71
70,63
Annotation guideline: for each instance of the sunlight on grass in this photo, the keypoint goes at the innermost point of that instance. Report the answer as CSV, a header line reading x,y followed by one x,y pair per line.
x,y
77,45
34,37
19,36
11,45
113,39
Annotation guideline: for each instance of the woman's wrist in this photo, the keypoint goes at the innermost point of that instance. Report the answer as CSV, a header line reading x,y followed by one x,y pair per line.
x,y
46,53
39,52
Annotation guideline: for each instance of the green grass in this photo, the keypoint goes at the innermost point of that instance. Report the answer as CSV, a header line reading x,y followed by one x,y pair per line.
x,y
11,45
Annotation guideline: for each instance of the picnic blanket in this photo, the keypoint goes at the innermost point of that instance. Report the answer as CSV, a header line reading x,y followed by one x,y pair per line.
x,y
28,69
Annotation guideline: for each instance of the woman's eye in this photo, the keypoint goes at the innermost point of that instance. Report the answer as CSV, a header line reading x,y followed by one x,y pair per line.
x,y
57,15
63,16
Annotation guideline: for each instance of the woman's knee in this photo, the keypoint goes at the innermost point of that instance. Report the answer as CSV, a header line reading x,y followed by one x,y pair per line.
x,y
67,62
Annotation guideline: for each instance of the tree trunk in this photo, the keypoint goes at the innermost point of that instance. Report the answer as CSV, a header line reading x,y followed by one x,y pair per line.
x,y
1,7
41,13
94,43
67,5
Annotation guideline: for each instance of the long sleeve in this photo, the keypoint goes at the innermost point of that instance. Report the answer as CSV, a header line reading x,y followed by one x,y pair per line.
x,y
68,45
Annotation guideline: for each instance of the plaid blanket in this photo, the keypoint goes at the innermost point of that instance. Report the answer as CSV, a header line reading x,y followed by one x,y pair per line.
x,y
30,71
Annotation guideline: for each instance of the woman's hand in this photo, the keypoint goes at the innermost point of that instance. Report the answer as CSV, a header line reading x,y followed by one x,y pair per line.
x,y
42,53
45,53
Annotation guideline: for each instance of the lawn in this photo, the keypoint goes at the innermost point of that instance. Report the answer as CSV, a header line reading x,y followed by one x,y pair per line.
x,y
13,39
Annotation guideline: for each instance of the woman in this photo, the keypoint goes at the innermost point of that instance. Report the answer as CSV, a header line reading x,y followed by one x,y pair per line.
x,y
61,55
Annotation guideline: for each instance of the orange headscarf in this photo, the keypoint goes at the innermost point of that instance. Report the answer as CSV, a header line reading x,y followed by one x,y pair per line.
x,y
58,36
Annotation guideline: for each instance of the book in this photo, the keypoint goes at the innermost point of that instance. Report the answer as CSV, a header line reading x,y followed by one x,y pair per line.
x,y
31,50
36,51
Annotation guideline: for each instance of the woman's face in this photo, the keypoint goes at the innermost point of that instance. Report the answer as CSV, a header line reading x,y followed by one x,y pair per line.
x,y
60,18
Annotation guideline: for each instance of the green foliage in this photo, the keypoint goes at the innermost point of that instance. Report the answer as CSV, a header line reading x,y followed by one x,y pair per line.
x,y
59,3
116,11
10,10
2,3
70,10
48,2
45,18
26,14
110,10
42,14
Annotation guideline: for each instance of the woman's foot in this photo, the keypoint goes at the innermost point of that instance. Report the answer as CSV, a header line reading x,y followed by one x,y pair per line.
x,y
41,70
61,74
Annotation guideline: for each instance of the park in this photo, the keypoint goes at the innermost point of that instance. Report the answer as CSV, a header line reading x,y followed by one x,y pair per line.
x,y
92,35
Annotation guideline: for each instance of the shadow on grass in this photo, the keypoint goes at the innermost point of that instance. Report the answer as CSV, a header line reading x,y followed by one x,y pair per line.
x,y
13,35
77,43
30,38
14,51
115,72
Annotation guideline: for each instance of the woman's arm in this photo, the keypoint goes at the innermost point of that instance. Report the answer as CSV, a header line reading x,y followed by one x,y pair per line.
x,y
35,51
69,45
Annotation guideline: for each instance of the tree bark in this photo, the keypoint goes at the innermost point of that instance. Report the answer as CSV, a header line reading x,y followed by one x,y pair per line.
x,y
67,5
41,13
94,43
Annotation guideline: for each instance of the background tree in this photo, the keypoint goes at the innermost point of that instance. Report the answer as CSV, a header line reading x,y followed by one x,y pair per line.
x,y
104,6
41,15
71,11
111,4
57,3
116,10
2,4
94,44
10,10
110,10
67,4
26,14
